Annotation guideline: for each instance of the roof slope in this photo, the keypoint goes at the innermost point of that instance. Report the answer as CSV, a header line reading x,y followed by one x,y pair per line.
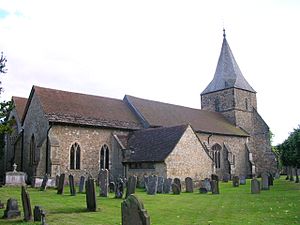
x,y
75,108
20,104
154,114
154,144
228,73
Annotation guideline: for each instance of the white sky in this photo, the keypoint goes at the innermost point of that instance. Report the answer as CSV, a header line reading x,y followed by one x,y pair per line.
x,y
159,50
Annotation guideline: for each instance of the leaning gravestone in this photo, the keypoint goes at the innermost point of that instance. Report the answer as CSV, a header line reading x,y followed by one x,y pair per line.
x,y
37,213
72,185
44,183
178,182
119,188
206,184
12,209
152,185
81,184
235,181
255,186
167,185
90,195
133,212
265,181
215,177
242,180
160,185
189,185
112,187
176,189
214,187
103,182
131,185
26,204
61,183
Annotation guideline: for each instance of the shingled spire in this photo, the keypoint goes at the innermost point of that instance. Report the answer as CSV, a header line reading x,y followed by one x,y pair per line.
x,y
228,73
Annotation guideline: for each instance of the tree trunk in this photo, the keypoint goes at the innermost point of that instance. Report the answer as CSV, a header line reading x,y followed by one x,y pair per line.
x,y
291,174
297,175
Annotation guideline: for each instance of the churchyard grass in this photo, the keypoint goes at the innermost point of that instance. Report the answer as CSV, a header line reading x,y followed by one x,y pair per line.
x,y
234,205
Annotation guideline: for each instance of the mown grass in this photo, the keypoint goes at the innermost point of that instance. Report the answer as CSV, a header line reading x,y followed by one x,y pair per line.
x,y
279,205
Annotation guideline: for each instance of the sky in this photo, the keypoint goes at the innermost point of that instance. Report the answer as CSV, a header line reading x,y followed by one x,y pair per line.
x,y
160,50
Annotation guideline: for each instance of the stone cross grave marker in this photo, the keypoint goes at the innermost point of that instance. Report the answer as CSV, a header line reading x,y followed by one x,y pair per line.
x,y
255,186
131,185
152,185
133,212
72,185
44,183
26,204
160,185
91,202
235,181
12,209
103,182
167,185
61,183
81,184
189,185
214,187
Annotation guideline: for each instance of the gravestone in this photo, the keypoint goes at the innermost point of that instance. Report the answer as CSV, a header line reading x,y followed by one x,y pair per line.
x,y
242,180
15,178
152,185
189,185
81,184
255,186
112,187
72,185
160,185
202,190
119,188
277,175
103,182
270,179
44,183
141,182
91,202
56,180
131,185
265,181
206,184
146,181
178,182
43,215
37,213
12,209
235,181
176,189
26,204
226,177
215,177
61,183
133,212
214,187
167,185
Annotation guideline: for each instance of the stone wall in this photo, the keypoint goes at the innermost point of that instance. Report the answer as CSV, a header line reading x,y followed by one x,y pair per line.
x,y
160,169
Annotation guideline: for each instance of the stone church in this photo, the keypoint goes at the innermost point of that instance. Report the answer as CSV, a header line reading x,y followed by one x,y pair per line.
x,y
63,132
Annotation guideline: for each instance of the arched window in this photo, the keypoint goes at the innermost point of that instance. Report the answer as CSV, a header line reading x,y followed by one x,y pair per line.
x,y
32,150
75,157
217,155
104,157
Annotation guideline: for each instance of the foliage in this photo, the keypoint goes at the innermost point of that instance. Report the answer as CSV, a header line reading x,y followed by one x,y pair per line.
x,y
279,205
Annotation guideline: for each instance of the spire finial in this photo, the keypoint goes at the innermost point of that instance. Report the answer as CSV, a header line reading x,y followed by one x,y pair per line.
x,y
224,33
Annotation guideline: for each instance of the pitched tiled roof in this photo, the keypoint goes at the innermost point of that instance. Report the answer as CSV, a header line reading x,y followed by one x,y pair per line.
x,y
154,144
20,104
81,109
154,114
228,73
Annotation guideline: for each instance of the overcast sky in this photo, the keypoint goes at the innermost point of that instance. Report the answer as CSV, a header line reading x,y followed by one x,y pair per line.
x,y
159,50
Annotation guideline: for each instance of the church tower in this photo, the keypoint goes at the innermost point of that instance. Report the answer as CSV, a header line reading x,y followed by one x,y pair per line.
x,y
230,94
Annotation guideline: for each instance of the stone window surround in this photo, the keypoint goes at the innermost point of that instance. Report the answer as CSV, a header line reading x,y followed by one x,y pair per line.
x,y
75,157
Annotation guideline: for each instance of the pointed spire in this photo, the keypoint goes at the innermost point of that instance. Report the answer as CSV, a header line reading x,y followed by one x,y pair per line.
x,y
228,73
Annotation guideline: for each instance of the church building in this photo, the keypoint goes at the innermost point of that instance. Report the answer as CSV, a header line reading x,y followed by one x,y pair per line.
x,y
64,132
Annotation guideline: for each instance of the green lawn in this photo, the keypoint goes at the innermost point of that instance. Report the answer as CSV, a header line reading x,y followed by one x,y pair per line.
x,y
279,205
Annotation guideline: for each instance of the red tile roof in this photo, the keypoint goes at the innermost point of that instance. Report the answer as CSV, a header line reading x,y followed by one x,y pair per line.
x,y
20,104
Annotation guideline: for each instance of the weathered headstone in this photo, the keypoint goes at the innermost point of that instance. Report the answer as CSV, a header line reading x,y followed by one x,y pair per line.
x,y
255,186
15,178
131,185
160,185
152,185
214,187
277,175
206,184
37,213
81,184
12,209
44,183
91,202
112,187
202,190
178,182
103,182
56,180
215,177
235,181
167,185
226,177
189,185
242,180
265,181
119,188
61,183
270,179
26,204
176,189
72,185
133,212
